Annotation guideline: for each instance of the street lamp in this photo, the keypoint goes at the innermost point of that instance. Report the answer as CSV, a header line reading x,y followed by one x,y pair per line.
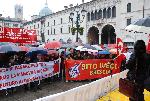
x,y
143,8
78,20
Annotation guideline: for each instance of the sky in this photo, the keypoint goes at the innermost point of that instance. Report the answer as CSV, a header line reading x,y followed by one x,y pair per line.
x,y
33,7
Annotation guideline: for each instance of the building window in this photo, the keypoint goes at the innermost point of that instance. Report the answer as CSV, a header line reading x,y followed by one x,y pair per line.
x,y
92,15
30,27
34,26
61,21
60,30
129,7
44,24
37,32
69,29
54,31
54,22
38,25
100,14
51,31
27,27
95,15
48,32
79,16
15,25
48,24
88,16
114,11
6,24
104,13
69,19
109,12
128,21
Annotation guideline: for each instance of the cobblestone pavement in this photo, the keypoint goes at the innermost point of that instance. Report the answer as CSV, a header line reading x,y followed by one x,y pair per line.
x,y
47,89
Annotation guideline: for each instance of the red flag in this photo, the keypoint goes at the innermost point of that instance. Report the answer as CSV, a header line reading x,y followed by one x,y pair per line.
x,y
148,46
121,47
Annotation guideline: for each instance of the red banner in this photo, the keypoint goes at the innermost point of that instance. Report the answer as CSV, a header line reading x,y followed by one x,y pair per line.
x,y
90,69
17,35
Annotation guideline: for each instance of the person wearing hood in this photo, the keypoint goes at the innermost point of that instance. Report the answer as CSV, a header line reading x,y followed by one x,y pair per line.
x,y
138,65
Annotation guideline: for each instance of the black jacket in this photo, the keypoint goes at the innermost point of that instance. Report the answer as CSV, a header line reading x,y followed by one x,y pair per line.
x,y
138,67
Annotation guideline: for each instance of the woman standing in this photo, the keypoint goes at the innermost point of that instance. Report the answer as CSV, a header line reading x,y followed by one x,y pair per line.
x,y
138,65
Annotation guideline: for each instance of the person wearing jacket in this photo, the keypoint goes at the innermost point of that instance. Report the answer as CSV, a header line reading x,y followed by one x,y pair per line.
x,y
27,61
138,65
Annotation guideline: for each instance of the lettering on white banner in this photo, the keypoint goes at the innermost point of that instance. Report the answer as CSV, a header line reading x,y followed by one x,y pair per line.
x,y
25,73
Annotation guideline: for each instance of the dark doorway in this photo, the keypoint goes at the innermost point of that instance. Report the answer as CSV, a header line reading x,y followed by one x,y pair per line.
x,y
108,35
93,36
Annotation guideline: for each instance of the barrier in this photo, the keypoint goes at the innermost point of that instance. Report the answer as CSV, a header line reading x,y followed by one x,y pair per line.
x,y
88,92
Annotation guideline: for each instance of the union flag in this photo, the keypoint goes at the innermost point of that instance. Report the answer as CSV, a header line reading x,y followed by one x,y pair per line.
x,y
121,47
148,46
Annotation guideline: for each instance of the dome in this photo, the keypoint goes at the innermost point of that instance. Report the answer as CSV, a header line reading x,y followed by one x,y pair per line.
x,y
45,11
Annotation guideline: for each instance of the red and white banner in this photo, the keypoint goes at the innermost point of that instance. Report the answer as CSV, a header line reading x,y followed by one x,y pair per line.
x,y
22,74
17,35
90,69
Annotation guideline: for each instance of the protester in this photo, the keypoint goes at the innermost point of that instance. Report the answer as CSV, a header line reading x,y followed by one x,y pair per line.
x,y
12,62
138,65
36,84
27,61
69,57
78,56
62,65
102,56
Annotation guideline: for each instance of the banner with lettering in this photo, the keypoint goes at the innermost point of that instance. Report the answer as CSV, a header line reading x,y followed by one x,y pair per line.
x,y
17,35
22,74
90,69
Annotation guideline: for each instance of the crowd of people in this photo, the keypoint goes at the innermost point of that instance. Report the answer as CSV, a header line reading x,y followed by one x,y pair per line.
x,y
138,59
17,58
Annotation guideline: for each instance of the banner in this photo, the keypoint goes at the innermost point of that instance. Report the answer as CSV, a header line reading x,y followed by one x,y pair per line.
x,y
90,69
22,74
17,35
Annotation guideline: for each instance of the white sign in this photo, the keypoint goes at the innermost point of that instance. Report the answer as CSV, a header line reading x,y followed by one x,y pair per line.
x,y
22,74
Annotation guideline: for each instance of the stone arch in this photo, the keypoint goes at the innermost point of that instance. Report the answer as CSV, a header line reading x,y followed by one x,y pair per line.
x,y
108,35
93,35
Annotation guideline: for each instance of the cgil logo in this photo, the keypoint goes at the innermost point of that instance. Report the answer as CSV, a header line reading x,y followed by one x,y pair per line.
x,y
74,71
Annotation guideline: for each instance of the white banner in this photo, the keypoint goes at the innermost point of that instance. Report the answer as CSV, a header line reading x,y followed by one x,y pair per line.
x,y
22,74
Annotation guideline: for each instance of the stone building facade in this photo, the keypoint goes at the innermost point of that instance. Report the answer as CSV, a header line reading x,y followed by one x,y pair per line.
x,y
104,22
